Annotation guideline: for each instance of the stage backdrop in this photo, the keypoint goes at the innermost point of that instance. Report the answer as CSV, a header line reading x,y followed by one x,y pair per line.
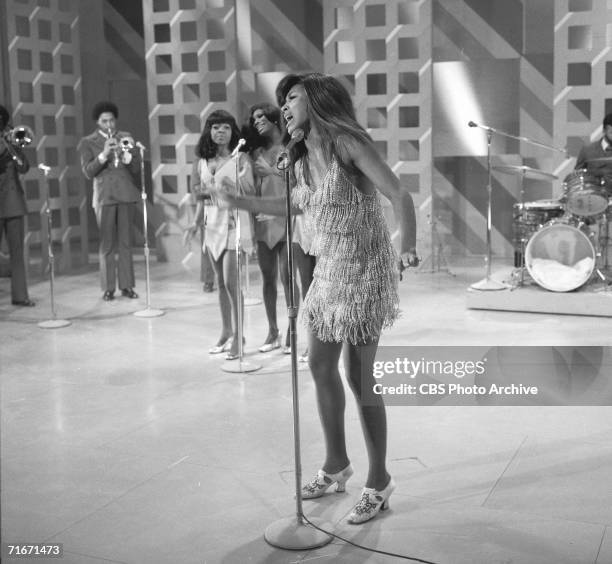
x,y
419,71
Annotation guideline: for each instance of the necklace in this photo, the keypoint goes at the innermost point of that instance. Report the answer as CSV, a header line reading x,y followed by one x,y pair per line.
x,y
218,162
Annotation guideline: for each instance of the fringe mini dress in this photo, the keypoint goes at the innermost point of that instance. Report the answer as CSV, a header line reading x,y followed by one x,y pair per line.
x,y
353,295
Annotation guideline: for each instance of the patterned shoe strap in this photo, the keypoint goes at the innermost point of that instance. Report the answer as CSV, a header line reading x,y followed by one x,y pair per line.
x,y
317,483
367,503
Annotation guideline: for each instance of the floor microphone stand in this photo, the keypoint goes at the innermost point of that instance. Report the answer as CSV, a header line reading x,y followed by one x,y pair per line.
x,y
294,533
241,365
148,311
54,322
488,283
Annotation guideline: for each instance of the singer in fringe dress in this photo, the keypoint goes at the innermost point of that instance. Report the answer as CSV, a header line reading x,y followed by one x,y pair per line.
x,y
353,295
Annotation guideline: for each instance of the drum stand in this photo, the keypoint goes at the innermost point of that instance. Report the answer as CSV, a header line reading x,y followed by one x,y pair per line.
x,y
602,252
437,257
53,323
519,271
240,366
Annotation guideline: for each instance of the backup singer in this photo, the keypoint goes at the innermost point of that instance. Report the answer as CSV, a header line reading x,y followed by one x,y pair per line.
x,y
109,158
353,295
12,210
270,230
214,164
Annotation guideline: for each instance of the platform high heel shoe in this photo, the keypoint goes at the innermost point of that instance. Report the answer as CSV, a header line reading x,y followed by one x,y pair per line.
x,y
322,481
221,347
233,352
271,344
372,501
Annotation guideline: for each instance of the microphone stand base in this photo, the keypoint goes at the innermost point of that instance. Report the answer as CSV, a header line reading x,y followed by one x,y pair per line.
x,y
149,312
54,324
488,284
292,533
239,366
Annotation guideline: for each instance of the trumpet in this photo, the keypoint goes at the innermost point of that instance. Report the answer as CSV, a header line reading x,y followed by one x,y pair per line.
x,y
124,144
17,137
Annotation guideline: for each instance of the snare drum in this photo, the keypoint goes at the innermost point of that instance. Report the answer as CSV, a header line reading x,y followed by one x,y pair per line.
x,y
560,256
585,194
527,219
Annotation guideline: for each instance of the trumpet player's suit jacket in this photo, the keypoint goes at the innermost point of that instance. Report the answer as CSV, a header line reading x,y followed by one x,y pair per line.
x,y
114,195
12,210
111,185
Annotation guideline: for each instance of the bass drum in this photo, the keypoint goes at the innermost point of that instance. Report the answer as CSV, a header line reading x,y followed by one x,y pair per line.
x,y
560,257
527,218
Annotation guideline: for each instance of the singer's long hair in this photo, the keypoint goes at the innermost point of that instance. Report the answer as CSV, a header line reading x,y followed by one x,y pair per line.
x,y
206,148
330,109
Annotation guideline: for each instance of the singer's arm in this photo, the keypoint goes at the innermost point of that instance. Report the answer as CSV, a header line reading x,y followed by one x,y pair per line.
x,y
369,163
270,206
253,203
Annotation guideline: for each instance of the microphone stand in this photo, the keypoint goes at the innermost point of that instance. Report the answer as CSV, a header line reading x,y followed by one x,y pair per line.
x,y
488,283
148,311
240,366
293,533
53,323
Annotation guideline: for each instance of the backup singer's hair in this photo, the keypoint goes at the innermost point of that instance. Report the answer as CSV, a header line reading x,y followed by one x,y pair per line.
x,y
206,148
4,117
272,114
104,107
331,110
607,120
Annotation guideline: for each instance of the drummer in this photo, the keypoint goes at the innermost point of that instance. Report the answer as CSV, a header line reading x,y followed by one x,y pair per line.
x,y
596,157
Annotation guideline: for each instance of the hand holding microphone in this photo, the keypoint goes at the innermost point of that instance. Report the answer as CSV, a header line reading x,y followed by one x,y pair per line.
x,y
283,159
407,260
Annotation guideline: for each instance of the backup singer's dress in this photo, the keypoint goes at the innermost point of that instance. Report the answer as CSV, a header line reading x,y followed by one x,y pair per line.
x,y
353,295
219,219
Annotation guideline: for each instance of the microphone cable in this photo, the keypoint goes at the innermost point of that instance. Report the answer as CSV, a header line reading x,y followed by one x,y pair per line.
x,y
369,549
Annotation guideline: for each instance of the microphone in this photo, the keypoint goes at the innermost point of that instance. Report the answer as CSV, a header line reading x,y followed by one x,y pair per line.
x,y
472,124
296,137
241,142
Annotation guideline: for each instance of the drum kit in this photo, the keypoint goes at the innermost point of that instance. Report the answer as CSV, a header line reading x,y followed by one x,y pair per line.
x,y
562,244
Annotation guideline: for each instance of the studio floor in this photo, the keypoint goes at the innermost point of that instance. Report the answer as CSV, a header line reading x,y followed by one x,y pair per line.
x,y
123,439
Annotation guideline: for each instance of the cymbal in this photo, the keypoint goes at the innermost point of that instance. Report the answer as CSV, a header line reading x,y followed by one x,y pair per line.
x,y
600,160
525,171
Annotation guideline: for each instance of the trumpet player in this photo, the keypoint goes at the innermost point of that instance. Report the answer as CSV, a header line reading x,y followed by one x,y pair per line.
x,y
108,157
13,162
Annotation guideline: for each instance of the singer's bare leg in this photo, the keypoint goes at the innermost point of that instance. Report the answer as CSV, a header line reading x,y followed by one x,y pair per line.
x,y
323,360
268,265
358,363
230,274
224,299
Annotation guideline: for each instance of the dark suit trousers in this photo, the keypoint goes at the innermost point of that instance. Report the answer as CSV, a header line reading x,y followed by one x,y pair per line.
x,y
15,233
115,224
